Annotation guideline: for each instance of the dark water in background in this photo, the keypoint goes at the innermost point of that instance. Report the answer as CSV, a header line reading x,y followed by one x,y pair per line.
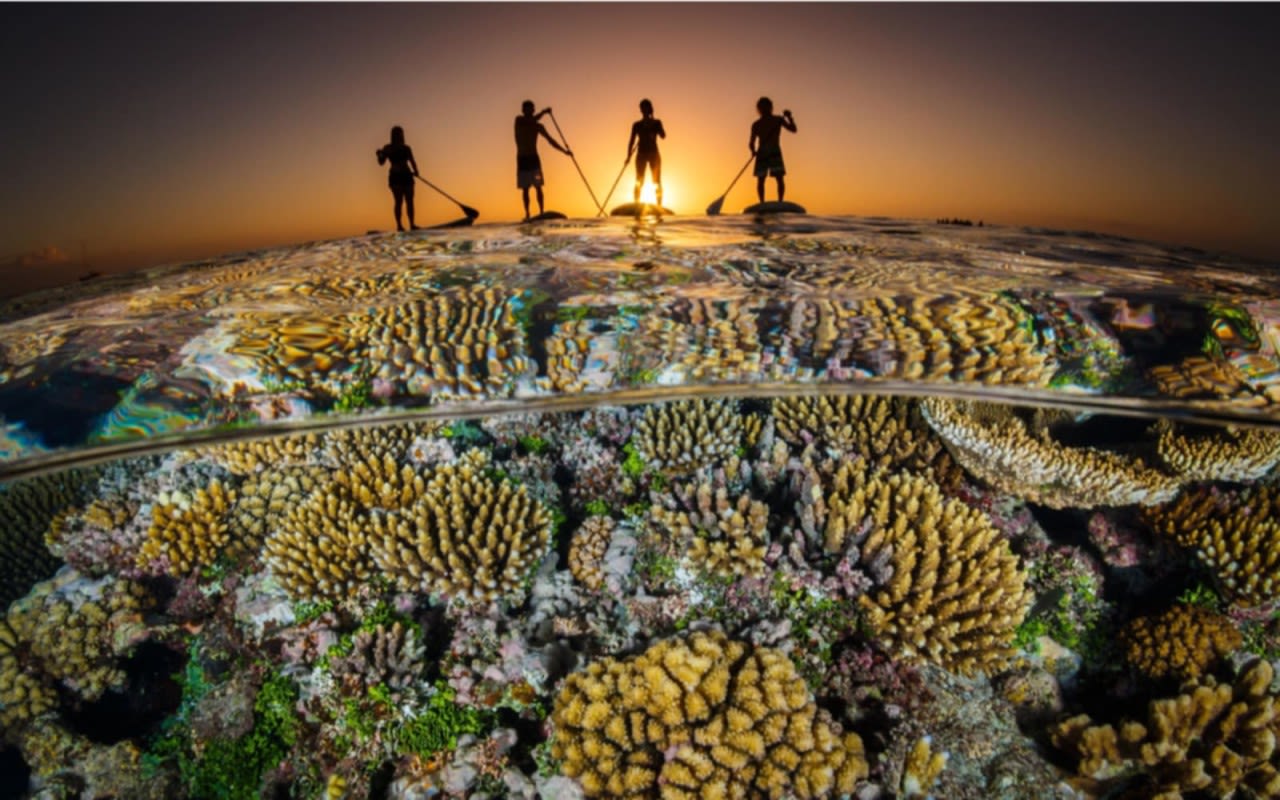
x,y
1091,419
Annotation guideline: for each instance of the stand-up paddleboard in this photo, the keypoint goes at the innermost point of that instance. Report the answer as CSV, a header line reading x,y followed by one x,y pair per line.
x,y
457,223
774,207
546,215
639,210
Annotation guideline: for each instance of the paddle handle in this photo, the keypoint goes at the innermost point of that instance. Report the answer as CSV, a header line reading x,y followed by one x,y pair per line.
x,y
575,162
615,184
739,175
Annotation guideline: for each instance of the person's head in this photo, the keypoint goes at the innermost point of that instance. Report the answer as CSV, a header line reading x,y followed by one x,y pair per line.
x,y
646,108
765,106
397,135
527,108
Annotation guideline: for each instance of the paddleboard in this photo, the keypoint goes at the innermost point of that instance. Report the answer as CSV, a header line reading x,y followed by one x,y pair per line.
x,y
774,207
457,223
546,215
639,210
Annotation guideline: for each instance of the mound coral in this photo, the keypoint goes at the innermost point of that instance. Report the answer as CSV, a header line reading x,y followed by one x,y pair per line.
x,y
188,533
723,536
587,548
27,507
703,716
954,593
465,535
1218,454
1181,643
1215,740
683,436
997,446
1237,535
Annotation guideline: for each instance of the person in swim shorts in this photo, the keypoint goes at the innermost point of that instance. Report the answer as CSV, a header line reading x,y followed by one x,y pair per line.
x,y
528,164
403,171
768,131
644,143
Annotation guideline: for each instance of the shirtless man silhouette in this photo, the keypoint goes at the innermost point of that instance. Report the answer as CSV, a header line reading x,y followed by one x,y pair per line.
x,y
768,131
528,164
646,132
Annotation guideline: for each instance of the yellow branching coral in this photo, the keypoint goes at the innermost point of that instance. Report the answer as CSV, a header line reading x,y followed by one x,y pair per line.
x,y
1213,740
466,535
1218,454
725,537
702,716
264,501
587,548
1235,535
188,533
686,435
1204,378
705,340
956,593
1181,644
362,444
320,550
921,769
996,445
248,457
27,508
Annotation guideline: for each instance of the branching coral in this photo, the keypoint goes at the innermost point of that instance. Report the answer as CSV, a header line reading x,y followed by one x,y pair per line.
x,y
1215,739
921,770
1218,454
188,533
1236,534
997,446
684,436
705,340
391,656
587,548
703,716
27,508
1182,643
466,535
248,457
263,503
319,551
955,593
724,537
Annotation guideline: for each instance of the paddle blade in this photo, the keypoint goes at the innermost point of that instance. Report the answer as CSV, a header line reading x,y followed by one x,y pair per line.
x,y
714,209
469,211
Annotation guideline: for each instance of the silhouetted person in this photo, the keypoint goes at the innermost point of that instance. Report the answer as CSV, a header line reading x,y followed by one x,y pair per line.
x,y
645,132
403,170
768,131
528,165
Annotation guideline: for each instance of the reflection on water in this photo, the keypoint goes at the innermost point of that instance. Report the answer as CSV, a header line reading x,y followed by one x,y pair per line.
x,y
714,507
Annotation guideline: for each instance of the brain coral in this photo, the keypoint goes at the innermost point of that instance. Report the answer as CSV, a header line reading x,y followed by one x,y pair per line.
x,y
465,535
702,716
1213,740
683,436
1218,454
725,537
996,445
955,594
1181,643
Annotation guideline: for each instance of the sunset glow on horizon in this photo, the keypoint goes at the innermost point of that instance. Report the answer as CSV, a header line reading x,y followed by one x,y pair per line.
x,y
146,133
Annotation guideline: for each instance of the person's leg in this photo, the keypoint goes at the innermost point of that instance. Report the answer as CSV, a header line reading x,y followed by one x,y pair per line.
x,y
655,170
640,162
408,207
760,188
782,188
524,193
540,206
399,196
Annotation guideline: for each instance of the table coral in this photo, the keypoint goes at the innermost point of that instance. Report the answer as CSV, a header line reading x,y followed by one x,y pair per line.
x,y
1216,740
702,716
1182,643
1227,453
997,446
683,436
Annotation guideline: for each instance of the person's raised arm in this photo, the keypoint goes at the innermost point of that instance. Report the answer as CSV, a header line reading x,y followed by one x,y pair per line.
x,y
544,111
554,143
788,122
412,162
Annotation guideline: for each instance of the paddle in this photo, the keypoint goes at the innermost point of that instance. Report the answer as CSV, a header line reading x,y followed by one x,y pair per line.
x,y
615,183
575,162
714,208
468,210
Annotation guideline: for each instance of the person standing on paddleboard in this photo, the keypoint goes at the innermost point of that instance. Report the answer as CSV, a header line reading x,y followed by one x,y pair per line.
x,y
403,171
646,131
528,164
768,131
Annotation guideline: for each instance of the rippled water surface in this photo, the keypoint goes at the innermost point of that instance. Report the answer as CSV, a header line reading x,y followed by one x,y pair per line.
x,y
760,507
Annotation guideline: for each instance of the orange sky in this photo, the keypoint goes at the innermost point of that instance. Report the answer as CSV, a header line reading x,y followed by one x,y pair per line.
x,y
156,132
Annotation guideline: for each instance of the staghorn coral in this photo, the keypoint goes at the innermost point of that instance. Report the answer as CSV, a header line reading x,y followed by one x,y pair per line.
x,y
1228,453
723,536
954,593
388,655
587,548
685,435
254,455
27,508
319,552
1182,643
345,446
1237,535
702,716
188,533
997,446
466,535
1215,739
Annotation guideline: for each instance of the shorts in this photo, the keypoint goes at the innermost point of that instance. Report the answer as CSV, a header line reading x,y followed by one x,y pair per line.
x,y
769,162
651,160
528,171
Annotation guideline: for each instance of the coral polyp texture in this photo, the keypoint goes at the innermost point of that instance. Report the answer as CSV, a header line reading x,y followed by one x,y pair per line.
x,y
320,550
466,535
955,593
263,503
681,437
724,536
1235,534
587,549
27,508
188,532
1212,740
997,446
702,716
1228,453
705,340
248,457
1181,643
